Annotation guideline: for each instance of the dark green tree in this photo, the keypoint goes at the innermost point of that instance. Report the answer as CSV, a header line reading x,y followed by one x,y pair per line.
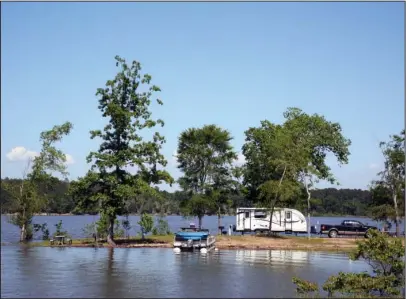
x,y
283,159
313,138
205,157
125,102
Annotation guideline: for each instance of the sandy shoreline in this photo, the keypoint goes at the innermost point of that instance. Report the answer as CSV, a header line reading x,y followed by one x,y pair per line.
x,y
227,242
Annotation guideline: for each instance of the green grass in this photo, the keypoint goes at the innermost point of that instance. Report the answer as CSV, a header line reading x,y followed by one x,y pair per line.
x,y
119,241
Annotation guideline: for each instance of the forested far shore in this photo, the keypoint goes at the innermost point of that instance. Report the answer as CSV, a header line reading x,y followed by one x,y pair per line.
x,y
325,202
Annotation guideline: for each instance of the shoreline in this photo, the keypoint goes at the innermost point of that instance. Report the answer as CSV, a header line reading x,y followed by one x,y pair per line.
x,y
70,214
222,243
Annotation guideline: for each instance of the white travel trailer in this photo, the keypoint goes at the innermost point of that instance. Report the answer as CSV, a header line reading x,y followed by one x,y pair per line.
x,y
258,219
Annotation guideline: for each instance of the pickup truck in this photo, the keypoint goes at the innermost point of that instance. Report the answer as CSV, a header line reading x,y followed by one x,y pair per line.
x,y
346,228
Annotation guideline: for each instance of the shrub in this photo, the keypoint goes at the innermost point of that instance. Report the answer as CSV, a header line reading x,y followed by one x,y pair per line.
x,y
162,227
386,257
146,223
43,228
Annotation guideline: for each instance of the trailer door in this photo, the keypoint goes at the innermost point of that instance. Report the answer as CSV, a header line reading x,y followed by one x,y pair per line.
x,y
247,220
288,221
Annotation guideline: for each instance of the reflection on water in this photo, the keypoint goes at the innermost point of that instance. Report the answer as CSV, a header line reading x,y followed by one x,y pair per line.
x,y
151,272
273,257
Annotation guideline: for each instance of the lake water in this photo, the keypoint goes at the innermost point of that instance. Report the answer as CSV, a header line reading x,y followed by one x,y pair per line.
x,y
157,272
75,224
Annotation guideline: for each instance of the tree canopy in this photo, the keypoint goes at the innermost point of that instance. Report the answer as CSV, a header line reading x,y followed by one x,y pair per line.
x,y
110,183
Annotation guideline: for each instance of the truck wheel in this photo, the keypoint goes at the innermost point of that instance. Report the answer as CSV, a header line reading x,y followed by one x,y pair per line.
x,y
332,234
367,234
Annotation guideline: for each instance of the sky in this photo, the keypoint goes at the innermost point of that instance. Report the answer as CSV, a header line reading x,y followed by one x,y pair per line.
x,y
229,64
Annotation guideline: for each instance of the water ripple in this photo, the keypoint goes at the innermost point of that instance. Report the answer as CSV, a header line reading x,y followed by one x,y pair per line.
x,y
147,272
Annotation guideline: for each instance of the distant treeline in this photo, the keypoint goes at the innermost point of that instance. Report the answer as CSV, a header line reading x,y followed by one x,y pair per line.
x,y
329,201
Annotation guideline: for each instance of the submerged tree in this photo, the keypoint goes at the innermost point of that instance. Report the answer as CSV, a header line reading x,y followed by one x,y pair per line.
x,y
205,156
125,102
29,196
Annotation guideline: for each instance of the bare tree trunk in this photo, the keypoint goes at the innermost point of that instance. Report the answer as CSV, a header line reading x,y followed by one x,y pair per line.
x,y
110,235
200,221
219,222
274,201
308,207
271,216
395,203
22,233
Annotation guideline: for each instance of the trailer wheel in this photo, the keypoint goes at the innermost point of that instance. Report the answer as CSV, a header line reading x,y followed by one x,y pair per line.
x,y
333,233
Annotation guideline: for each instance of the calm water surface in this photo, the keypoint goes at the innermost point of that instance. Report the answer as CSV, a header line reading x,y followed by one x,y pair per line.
x,y
152,272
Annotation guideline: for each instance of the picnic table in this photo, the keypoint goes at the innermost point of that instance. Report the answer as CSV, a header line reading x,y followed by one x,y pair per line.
x,y
60,240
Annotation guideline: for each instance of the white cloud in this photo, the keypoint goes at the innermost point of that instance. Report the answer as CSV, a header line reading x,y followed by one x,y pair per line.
x,y
20,153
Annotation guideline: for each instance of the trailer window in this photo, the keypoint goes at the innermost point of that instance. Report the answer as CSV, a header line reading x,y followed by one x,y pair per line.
x,y
247,214
288,215
259,214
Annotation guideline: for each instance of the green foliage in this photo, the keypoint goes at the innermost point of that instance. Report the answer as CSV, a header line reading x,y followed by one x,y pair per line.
x,y
360,285
162,227
383,254
304,286
43,228
100,228
59,231
205,156
30,195
90,230
389,191
126,225
282,160
109,184
386,257
146,223
198,205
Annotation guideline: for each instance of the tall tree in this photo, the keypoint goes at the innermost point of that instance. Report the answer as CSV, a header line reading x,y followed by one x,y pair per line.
x,y
393,176
269,173
205,156
110,183
29,195
313,138
281,159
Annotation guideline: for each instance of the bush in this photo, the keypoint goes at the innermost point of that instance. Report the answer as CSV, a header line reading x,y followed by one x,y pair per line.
x,y
146,223
59,230
126,226
386,257
162,227
43,228
101,228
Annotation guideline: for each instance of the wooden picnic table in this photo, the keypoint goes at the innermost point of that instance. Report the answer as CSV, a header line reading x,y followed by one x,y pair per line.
x,y
61,240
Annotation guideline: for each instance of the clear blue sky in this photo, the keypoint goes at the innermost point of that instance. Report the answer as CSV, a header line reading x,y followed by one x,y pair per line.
x,y
231,64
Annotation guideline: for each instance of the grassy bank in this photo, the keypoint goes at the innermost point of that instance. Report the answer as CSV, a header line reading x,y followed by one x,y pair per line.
x,y
230,242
